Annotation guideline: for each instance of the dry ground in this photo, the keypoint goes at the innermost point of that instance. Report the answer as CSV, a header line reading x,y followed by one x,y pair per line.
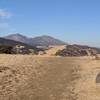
x,y
54,49
26,77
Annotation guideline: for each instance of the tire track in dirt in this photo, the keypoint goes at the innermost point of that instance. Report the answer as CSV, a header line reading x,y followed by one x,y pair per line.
x,y
70,91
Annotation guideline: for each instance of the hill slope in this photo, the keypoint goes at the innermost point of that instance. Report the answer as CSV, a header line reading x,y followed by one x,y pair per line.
x,y
78,50
13,43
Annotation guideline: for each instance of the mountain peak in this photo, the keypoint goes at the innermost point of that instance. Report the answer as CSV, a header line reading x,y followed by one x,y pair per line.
x,y
45,36
16,34
16,37
47,40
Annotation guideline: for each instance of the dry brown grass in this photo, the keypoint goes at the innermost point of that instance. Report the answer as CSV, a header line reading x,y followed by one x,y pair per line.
x,y
27,77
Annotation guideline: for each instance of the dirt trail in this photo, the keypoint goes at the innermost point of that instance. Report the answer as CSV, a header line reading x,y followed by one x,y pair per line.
x,y
25,77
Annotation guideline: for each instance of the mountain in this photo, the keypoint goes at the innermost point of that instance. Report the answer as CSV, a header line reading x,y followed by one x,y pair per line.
x,y
45,41
40,40
8,42
17,37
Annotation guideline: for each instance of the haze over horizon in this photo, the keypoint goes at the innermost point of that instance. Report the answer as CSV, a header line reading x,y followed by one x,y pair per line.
x,y
73,21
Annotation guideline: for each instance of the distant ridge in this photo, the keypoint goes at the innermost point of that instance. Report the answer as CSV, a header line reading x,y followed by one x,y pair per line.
x,y
8,42
39,40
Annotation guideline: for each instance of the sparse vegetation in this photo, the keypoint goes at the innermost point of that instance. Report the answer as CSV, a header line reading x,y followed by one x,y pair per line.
x,y
77,50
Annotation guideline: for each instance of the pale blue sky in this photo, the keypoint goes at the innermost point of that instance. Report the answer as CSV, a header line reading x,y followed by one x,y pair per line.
x,y
74,21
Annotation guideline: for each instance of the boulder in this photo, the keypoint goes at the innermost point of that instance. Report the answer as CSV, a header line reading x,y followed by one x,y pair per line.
x,y
98,78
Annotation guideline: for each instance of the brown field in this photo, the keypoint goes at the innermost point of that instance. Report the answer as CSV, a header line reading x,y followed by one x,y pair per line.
x,y
27,77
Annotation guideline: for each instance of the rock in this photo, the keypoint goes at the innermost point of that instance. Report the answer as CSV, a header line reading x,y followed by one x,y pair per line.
x,y
98,78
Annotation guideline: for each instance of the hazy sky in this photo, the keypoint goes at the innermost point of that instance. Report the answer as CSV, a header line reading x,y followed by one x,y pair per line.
x,y
75,21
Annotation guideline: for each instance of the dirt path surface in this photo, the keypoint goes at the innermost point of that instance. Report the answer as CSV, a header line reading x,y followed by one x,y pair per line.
x,y
25,77
54,49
